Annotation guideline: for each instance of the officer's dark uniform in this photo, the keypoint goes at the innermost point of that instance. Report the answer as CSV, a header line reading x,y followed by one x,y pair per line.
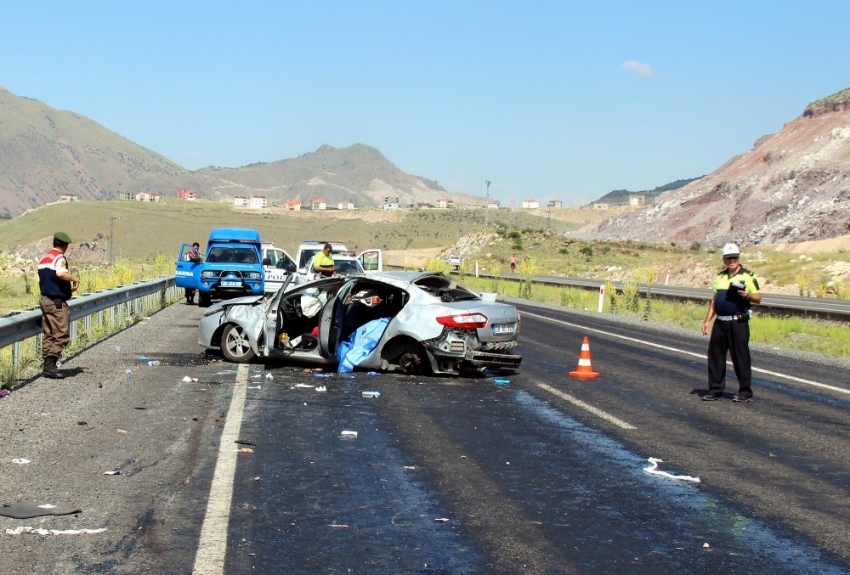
x,y
56,315
731,332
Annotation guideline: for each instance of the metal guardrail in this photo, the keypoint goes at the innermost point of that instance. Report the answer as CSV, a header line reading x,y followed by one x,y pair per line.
x,y
819,306
90,310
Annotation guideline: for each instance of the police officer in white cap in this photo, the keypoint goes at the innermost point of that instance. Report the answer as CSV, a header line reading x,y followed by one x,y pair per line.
x,y
735,289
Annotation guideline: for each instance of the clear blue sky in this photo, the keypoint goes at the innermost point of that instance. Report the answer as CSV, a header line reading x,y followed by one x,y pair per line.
x,y
565,100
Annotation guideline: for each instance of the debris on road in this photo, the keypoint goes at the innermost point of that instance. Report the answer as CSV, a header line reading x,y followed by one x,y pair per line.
x,y
129,372
143,358
349,434
245,442
4,392
321,388
121,431
706,546
244,450
501,381
653,469
321,375
255,387
21,461
28,529
371,394
372,373
303,386
410,467
269,376
116,471
441,520
187,379
28,510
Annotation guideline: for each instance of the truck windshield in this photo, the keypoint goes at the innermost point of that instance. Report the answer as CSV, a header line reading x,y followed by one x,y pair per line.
x,y
233,255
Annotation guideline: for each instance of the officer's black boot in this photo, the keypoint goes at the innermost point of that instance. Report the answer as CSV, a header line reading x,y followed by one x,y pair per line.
x,y
50,369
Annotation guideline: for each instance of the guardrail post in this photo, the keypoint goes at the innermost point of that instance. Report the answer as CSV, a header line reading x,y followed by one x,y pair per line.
x,y
73,332
601,297
476,269
16,355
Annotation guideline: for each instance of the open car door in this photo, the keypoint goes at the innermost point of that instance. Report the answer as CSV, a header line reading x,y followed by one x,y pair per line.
x,y
330,324
271,322
188,270
372,260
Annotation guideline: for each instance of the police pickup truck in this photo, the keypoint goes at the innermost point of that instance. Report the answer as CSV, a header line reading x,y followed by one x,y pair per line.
x,y
232,267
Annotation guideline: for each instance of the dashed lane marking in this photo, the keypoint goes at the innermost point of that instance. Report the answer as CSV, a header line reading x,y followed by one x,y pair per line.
x,y
595,411
212,546
682,351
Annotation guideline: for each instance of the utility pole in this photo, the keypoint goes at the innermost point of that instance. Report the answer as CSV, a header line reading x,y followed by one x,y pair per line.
x,y
111,236
487,205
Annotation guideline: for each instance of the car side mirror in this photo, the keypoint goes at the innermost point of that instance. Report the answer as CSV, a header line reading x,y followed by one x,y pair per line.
x,y
267,261
290,266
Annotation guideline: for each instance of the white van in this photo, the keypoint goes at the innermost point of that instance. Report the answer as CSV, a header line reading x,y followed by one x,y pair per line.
x,y
277,265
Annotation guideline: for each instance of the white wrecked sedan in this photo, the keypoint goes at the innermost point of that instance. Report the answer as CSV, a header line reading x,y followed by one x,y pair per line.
x,y
432,325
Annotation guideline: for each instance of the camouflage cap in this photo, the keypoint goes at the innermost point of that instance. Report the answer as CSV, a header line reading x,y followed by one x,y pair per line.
x,y
62,237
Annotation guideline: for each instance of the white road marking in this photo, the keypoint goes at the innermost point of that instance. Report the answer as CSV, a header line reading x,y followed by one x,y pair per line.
x,y
699,355
212,546
595,411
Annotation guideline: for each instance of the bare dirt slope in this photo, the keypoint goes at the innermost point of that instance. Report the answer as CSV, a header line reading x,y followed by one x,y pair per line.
x,y
791,187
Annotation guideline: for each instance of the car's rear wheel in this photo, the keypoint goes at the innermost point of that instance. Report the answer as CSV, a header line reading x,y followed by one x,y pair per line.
x,y
407,356
204,299
235,345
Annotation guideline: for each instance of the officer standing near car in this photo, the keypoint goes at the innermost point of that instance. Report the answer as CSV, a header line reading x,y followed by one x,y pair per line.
x,y
56,284
323,262
735,289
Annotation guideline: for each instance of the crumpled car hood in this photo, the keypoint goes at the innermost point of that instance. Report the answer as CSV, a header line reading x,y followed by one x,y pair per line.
x,y
246,300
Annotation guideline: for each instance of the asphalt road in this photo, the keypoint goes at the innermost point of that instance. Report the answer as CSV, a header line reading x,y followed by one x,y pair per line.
x,y
544,475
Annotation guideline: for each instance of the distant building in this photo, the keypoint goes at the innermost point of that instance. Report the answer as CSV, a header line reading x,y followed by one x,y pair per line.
x,y
555,204
147,197
600,206
638,201
493,204
68,198
421,205
530,204
320,204
240,201
345,206
187,194
258,202
445,203
292,205
128,196
390,203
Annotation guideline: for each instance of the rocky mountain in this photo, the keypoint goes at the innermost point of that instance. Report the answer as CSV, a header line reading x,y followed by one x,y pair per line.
x,y
359,174
792,186
46,152
622,196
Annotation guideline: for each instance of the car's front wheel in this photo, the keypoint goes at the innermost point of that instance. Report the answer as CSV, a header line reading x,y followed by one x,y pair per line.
x,y
235,345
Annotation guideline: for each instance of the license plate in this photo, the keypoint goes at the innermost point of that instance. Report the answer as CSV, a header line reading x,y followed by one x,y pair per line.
x,y
503,328
231,284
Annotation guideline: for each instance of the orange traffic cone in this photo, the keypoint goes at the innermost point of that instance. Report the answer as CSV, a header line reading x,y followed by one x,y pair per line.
x,y
584,370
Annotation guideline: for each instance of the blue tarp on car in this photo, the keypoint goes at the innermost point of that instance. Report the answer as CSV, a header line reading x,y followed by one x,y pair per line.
x,y
360,344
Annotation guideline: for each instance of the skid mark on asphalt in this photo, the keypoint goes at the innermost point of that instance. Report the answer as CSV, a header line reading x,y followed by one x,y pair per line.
x,y
690,353
586,406
212,546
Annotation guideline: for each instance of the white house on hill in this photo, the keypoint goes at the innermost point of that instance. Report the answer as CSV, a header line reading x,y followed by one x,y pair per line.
x,y
530,204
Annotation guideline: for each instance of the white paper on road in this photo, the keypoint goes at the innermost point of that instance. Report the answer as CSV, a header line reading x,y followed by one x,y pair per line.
x,y
653,469
32,531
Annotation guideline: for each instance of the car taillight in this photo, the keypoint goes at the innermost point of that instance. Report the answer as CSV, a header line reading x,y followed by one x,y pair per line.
x,y
464,321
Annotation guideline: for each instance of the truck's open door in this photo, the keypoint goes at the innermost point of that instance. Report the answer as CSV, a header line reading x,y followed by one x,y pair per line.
x,y
188,270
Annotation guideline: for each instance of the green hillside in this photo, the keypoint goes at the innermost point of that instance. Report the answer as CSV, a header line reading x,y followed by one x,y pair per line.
x,y
145,229
622,196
